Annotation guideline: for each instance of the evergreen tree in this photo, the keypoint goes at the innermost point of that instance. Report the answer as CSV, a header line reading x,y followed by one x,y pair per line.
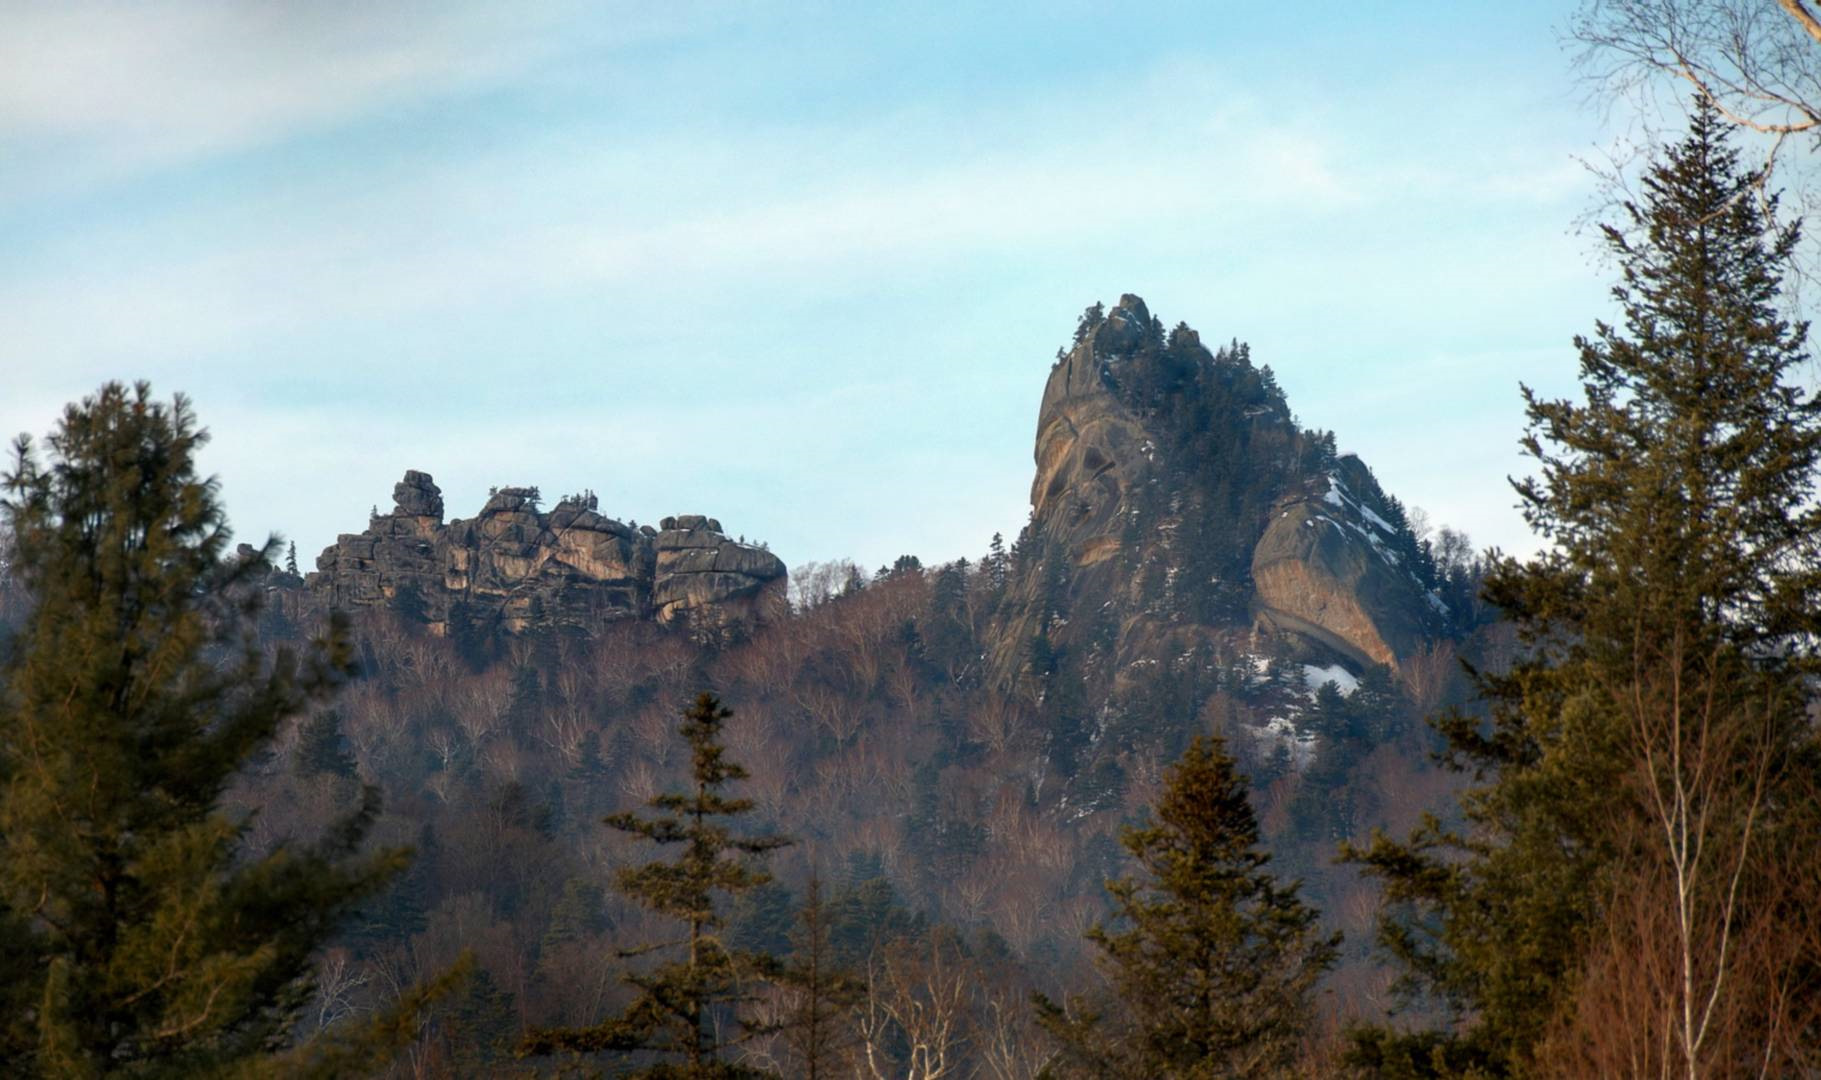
x,y
479,1024
322,749
1660,700
291,560
822,992
138,936
760,920
997,564
579,913
866,913
473,637
1322,811
409,605
1089,321
1212,959
681,1006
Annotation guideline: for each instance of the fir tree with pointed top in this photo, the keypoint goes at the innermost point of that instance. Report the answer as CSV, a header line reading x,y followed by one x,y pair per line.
x,y
1677,600
579,913
322,749
1212,960
823,992
683,1005
137,935
291,559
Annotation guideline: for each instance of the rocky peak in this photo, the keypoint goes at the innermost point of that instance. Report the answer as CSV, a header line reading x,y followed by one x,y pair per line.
x,y
1124,328
417,496
520,569
1174,498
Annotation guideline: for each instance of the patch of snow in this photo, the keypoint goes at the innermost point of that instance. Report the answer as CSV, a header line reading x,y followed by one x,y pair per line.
x,y
1258,665
1338,495
1316,677
1366,511
1280,732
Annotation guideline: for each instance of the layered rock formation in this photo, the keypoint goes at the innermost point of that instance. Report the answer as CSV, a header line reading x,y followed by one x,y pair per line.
x,y
1140,547
519,568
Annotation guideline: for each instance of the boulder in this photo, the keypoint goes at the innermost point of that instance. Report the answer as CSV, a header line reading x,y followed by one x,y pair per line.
x,y
1317,573
417,496
709,581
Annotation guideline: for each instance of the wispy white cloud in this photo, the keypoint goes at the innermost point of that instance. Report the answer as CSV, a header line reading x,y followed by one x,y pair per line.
x,y
451,235
99,93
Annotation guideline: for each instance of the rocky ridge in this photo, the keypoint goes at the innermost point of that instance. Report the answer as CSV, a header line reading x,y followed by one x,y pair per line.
x,y
518,568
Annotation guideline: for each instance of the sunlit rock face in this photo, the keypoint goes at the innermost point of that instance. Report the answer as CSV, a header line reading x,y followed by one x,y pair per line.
x,y
520,568
706,579
1325,568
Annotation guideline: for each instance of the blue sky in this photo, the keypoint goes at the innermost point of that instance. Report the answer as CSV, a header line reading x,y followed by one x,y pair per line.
x,y
799,266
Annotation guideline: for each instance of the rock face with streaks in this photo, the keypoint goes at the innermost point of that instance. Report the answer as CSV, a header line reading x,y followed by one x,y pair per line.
x,y
518,568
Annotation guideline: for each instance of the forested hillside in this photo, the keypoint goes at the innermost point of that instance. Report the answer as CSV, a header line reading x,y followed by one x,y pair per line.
x,y
953,749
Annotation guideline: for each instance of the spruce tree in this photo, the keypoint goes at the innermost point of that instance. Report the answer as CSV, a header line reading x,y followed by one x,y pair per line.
x,y
579,913
822,992
1213,961
1668,631
322,750
683,1006
997,564
137,935
479,1024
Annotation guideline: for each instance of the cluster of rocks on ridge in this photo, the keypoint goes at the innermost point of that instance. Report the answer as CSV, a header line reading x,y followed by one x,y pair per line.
x,y
519,568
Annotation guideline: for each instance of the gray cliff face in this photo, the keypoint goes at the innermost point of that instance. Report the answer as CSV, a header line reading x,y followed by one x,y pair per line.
x,y
525,569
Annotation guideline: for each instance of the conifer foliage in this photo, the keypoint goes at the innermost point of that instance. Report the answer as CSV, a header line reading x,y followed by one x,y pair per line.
x,y
141,938
819,992
1621,901
684,1006
1213,961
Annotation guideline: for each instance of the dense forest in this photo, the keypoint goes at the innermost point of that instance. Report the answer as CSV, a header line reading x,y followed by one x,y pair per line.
x,y
1228,765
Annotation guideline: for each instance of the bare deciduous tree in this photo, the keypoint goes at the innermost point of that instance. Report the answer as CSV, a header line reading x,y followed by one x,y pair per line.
x,y
1757,61
916,998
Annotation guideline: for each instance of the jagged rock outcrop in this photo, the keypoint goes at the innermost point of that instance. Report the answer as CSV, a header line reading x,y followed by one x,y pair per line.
x,y
518,568
1176,500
